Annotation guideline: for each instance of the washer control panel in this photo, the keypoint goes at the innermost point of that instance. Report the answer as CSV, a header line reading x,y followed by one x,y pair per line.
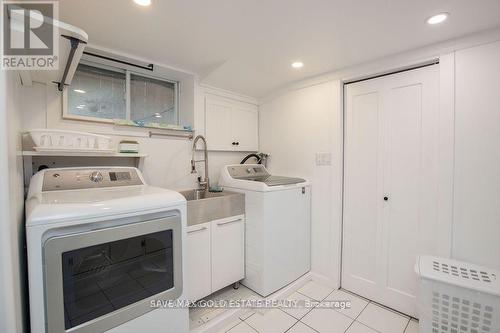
x,y
248,171
77,179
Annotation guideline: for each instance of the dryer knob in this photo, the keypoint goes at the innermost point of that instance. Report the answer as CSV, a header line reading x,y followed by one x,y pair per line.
x,y
96,177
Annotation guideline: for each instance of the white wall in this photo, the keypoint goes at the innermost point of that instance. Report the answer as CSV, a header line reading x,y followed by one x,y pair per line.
x,y
476,228
168,161
293,127
12,264
305,117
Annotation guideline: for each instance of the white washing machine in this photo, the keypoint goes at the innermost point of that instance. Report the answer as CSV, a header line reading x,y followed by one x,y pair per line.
x,y
278,225
102,245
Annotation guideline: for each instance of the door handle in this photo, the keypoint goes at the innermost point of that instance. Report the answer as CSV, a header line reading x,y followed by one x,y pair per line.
x,y
196,230
228,222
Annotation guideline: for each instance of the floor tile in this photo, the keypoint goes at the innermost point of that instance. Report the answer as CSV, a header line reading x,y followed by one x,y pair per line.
x,y
301,310
300,328
315,290
357,303
412,327
327,321
195,323
357,327
228,326
382,320
199,315
272,321
212,314
247,314
241,328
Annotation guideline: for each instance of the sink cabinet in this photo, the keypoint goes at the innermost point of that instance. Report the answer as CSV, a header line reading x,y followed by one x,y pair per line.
x,y
215,255
228,251
198,261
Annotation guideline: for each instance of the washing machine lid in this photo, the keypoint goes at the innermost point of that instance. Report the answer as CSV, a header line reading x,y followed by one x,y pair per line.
x,y
280,180
52,202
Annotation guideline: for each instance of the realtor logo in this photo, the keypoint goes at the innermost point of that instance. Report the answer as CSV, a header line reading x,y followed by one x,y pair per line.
x,y
30,37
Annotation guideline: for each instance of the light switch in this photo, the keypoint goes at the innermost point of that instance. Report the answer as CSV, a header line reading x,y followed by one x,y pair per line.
x,y
323,158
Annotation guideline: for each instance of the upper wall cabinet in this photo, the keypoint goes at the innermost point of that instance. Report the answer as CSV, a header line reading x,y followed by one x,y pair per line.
x,y
231,125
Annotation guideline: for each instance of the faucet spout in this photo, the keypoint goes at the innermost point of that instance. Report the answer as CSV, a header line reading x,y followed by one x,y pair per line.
x,y
205,183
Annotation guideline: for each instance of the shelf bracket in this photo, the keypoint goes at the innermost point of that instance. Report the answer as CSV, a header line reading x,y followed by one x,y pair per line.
x,y
74,42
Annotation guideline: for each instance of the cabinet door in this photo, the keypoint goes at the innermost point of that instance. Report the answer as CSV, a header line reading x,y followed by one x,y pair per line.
x,y
228,252
245,120
198,261
218,127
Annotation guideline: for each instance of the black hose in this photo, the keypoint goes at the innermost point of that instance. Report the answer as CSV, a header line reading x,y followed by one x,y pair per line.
x,y
257,157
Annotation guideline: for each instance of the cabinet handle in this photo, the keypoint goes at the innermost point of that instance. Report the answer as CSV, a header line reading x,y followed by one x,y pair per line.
x,y
386,198
196,230
233,143
227,222
237,143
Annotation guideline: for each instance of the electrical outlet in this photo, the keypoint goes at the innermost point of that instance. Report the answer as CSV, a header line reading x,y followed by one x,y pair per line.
x,y
323,158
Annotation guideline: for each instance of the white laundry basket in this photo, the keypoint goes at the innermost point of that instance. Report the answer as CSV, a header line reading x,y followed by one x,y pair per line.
x,y
457,297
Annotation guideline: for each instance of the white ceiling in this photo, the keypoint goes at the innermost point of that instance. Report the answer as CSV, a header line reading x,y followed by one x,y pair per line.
x,y
248,45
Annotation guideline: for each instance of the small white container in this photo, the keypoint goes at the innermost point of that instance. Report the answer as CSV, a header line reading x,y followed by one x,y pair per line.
x,y
457,297
53,139
128,146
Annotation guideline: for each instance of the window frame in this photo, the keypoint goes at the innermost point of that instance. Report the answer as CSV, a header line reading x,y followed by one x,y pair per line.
x,y
128,72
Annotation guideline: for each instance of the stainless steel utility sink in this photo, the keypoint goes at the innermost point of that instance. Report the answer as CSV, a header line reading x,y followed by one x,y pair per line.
x,y
204,206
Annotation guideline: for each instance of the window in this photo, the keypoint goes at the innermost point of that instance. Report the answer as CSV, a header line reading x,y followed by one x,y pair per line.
x,y
99,93
152,100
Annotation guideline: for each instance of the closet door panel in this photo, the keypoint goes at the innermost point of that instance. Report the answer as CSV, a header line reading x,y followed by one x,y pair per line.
x,y
390,189
411,182
405,186
362,187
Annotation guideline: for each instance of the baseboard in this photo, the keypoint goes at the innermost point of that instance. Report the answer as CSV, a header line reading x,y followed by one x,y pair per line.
x,y
335,284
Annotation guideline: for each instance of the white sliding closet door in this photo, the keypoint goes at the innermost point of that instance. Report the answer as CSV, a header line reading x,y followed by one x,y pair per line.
x,y
390,184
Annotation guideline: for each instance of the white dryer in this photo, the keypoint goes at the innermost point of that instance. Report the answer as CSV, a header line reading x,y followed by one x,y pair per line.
x,y
278,225
102,245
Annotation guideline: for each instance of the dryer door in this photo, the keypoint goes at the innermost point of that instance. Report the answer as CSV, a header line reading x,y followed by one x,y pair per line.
x,y
102,278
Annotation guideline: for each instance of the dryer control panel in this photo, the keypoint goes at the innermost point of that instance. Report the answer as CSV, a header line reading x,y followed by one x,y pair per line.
x,y
78,179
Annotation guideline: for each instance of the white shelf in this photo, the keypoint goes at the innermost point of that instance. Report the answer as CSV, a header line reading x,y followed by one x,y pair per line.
x,y
81,154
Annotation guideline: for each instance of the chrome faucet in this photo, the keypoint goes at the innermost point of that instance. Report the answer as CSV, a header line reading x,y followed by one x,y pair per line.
x,y
205,184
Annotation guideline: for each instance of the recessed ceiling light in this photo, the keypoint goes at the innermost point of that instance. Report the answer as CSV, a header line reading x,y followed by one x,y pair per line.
x,y
157,115
79,91
143,2
438,18
297,64
81,106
